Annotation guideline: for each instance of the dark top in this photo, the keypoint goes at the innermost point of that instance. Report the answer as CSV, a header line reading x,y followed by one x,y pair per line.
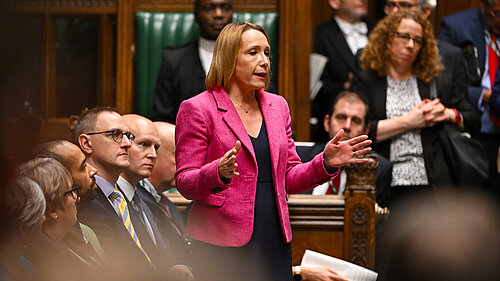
x,y
266,256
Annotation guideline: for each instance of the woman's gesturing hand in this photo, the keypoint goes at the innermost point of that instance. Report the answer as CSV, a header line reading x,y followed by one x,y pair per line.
x,y
339,153
227,164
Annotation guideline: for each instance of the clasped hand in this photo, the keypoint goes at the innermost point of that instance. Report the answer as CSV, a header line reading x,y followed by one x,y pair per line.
x,y
427,113
338,153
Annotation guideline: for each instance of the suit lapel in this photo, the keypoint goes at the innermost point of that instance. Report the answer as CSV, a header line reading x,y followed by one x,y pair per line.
x,y
269,114
339,42
232,119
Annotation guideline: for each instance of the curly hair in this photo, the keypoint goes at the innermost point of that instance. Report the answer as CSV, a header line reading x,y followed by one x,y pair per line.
x,y
376,55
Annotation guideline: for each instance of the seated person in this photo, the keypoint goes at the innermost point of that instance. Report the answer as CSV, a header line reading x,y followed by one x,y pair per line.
x,y
52,258
22,209
165,250
350,112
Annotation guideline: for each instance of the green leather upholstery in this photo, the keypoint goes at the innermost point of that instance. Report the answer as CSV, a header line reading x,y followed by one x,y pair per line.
x,y
157,30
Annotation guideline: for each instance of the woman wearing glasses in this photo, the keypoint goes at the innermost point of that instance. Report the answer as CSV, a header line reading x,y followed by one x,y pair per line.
x,y
401,68
52,259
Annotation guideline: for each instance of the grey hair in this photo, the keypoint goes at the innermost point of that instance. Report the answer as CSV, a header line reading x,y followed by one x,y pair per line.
x,y
52,177
22,203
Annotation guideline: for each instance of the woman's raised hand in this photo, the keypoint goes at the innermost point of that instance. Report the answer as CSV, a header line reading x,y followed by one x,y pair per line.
x,y
338,153
227,164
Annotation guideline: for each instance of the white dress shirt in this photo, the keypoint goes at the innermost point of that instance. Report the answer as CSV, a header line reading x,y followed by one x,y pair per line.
x,y
206,50
355,34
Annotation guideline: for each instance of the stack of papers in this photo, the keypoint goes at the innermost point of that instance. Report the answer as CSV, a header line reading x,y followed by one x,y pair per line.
x,y
346,269
316,65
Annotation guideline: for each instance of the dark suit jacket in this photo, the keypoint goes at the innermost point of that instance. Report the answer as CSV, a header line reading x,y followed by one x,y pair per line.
x,y
180,77
160,253
462,29
383,175
374,88
330,42
121,251
167,230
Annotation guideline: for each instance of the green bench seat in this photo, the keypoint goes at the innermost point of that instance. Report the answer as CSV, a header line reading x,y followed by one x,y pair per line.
x,y
156,30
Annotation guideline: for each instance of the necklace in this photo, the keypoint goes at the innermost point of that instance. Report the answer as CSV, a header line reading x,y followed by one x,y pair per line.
x,y
246,109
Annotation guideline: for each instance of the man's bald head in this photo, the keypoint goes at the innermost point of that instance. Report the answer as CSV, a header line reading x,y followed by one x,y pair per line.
x,y
73,159
163,176
142,153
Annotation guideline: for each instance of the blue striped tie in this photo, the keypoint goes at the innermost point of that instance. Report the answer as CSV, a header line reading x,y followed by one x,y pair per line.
x,y
121,204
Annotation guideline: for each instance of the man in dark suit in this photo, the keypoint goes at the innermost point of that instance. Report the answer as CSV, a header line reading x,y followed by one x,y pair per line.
x,y
183,69
339,40
163,250
349,112
162,179
105,139
480,28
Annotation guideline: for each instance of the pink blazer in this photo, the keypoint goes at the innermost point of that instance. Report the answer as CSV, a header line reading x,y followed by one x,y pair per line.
x,y
207,127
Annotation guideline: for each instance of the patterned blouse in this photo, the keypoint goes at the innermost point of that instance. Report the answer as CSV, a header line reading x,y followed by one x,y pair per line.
x,y
406,151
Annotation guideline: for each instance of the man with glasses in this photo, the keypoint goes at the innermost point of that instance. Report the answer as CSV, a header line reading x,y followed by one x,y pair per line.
x,y
339,40
479,29
105,140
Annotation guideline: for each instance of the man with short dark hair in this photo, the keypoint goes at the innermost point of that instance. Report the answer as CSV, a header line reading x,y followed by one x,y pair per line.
x,y
183,69
350,112
105,139
479,28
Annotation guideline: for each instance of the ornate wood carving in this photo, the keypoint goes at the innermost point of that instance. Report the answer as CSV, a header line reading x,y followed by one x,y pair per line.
x,y
359,239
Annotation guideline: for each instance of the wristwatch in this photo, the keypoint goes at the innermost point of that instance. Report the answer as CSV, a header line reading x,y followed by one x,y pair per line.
x,y
296,273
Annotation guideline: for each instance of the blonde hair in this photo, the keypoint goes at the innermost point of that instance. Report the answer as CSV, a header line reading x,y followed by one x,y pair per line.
x,y
226,50
376,55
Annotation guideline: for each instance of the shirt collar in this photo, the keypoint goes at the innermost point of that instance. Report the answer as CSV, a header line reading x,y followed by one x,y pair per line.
x,y
148,186
348,28
106,187
127,189
206,51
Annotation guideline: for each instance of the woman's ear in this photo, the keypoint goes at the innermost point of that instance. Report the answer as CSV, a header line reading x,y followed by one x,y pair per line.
x,y
52,214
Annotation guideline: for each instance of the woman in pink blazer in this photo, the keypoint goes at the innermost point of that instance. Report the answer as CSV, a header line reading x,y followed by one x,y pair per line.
x,y
237,161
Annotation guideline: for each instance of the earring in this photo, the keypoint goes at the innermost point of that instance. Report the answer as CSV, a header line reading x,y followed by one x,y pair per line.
x,y
57,216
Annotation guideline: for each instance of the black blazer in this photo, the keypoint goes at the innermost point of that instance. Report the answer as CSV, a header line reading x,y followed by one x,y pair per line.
x,y
167,230
330,42
383,175
374,88
121,251
181,76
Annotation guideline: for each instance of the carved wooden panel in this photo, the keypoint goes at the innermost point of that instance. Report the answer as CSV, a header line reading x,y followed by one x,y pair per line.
x,y
187,5
359,239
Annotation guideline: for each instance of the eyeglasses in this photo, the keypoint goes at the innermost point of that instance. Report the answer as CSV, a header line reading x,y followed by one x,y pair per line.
x,y
405,38
73,191
389,5
117,135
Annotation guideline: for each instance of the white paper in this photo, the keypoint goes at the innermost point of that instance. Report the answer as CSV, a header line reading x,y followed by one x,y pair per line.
x,y
317,63
346,269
